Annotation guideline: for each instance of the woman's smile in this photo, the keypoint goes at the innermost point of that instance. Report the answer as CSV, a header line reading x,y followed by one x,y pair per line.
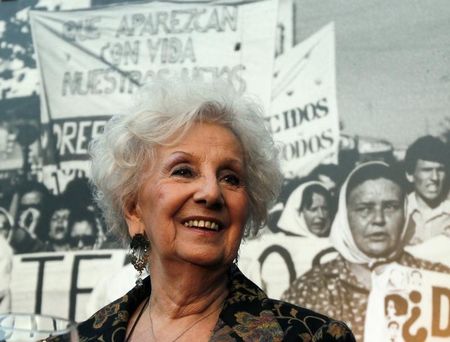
x,y
203,223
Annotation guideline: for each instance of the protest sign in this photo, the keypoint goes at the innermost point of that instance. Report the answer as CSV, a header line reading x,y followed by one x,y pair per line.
x,y
104,54
59,284
408,304
304,116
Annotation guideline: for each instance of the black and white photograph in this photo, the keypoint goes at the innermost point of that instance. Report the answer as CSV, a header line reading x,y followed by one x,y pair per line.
x,y
230,170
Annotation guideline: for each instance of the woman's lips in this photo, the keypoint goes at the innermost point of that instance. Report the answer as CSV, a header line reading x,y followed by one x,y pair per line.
x,y
379,236
202,224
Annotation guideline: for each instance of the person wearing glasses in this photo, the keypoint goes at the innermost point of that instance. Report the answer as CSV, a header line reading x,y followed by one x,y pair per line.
x,y
83,230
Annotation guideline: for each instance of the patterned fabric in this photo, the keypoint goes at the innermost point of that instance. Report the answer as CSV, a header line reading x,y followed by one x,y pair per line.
x,y
247,315
334,289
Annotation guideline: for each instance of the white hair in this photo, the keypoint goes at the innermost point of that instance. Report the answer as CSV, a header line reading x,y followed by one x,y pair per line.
x,y
165,110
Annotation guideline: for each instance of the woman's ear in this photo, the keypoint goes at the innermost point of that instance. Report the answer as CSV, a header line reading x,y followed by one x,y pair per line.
x,y
134,219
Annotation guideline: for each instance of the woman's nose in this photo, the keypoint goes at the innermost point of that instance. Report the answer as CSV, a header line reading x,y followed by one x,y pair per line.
x,y
209,192
378,217
321,213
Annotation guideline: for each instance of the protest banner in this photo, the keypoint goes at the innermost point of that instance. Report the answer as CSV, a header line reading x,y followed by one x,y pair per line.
x,y
273,261
407,304
304,116
59,284
104,54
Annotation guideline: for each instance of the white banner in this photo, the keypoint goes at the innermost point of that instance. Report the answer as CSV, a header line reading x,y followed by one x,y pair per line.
x,y
408,304
60,284
304,116
92,61
273,261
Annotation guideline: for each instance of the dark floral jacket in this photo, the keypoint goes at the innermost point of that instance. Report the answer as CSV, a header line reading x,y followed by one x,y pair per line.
x,y
247,315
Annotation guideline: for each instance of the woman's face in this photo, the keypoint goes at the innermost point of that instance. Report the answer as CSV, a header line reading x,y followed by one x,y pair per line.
x,y
317,216
193,203
59,224
376,216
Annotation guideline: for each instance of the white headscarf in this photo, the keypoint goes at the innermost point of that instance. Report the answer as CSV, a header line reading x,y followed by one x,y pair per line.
x,y
292,219
341,236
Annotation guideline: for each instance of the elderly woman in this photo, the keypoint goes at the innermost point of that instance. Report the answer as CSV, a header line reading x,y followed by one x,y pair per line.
x,y
185,176
368,232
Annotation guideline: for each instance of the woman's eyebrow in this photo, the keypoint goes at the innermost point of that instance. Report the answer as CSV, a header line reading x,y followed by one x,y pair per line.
x,y
234,162
180,153
178,156
364,202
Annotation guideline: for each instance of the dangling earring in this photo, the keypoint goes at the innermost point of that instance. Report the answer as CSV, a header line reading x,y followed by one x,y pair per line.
x,y
139,249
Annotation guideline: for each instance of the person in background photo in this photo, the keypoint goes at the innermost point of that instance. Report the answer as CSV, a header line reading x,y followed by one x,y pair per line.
x,y
368,232
32,213
31,224
78,193
305,221
308,211
58,232
83,230
427,169
183,178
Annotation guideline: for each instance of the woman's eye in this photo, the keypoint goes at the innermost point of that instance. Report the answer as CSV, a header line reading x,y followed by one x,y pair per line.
x,y
183,172
232,180
363,211
392,207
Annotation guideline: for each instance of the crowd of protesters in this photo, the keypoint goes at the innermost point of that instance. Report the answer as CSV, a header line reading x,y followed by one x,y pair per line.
x,y
423,175
382,212
407,201
32,219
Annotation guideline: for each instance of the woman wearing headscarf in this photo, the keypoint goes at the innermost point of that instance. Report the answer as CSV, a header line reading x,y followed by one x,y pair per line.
x,y
368,232
304,224
308,211
183,178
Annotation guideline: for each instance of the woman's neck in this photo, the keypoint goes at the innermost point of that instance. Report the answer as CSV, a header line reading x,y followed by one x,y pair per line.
x,y
187,289
185,303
